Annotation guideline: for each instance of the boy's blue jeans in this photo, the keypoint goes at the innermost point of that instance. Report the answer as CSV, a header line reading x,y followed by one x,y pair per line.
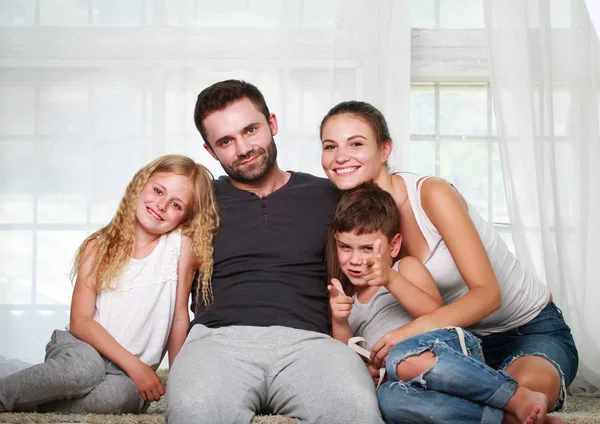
x,y
458,389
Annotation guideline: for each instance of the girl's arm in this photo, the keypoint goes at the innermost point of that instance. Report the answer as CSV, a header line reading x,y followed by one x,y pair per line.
x,y
84,327
414,288
181,316
448,212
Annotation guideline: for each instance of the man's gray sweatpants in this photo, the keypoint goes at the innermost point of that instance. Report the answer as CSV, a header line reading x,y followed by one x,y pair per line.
x,y
227,375
73,379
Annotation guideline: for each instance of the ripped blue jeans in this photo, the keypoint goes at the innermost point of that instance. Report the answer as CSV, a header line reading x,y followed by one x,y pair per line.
x,y
458,388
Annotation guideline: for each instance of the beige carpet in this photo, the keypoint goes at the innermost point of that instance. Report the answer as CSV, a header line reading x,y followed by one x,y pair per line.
x,y
581,410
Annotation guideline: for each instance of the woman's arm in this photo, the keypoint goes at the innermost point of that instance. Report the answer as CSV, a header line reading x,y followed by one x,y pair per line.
x,y
84,327
448,212
414,288
181,316
412,285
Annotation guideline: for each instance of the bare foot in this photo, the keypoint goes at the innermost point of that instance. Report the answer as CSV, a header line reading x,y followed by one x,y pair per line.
x,y
529,407
553,420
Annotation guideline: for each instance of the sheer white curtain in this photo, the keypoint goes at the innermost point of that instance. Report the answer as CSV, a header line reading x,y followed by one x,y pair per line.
x,y
92,90
544,80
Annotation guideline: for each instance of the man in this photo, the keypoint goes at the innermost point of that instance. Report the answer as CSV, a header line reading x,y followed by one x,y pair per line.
x,y
262,345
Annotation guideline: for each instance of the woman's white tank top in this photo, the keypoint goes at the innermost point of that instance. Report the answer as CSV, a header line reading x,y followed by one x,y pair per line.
x,y
523,295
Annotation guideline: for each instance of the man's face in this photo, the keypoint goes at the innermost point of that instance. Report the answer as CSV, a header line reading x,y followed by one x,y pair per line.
x,y
241,139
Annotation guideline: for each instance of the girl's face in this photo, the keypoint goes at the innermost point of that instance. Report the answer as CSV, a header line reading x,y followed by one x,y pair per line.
x,y
350,154
164,203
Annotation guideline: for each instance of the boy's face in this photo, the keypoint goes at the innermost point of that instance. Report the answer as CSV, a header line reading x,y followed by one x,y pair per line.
x,y
355,251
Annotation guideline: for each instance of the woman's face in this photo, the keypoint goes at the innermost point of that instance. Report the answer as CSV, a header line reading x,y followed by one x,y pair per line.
x,y
350,155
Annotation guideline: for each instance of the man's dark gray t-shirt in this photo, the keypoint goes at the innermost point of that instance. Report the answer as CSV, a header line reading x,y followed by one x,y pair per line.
x,y
269,256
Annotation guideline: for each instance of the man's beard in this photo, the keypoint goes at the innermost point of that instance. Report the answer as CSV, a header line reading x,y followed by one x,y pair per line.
x,y
256,171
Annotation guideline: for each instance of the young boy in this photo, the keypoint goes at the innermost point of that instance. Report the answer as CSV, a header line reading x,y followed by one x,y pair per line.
x,y
444,368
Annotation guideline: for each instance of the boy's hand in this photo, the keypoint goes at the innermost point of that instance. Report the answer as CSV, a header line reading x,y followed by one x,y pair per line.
x,y
374,371
375,273
340,304
147,382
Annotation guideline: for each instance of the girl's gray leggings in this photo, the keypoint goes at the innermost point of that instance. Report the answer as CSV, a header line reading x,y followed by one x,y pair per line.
x,y
74,379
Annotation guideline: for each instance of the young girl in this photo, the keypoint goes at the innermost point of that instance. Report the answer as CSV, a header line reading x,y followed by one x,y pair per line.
x,y
445,366
132,282
483,285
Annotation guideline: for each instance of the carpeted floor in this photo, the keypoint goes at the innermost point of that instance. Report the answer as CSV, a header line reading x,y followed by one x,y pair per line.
x,y
581,410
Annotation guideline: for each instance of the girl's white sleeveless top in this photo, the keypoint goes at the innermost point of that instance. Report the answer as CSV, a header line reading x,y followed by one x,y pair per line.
x,y
139,312
523,295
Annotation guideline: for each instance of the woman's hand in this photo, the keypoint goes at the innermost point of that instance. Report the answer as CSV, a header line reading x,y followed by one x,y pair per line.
x,y
381,349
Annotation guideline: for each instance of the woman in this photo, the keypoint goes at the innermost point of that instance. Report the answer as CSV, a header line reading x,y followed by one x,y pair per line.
x,y
484,287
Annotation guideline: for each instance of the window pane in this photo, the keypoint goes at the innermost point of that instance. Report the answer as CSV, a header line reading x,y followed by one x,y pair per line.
x,y
309,95
463,110
117,12
16,260
231,13
422,14
500,205
63,12
63,183
192,146
120,109
182,89
18,174
56,250
17,108
465,164
461,14
560,13
422,109
180,12
561,101
113,168
64,109
422,157
320,13
17,13
508,239
25,333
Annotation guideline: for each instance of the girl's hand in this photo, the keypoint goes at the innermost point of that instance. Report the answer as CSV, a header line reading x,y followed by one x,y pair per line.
x,y
374,271
340,304
147,382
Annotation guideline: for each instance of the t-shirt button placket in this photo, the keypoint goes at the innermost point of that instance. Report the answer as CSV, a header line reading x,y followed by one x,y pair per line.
x,y
265,212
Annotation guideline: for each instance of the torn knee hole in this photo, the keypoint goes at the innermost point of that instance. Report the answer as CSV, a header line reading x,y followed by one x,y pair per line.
x,y
416,365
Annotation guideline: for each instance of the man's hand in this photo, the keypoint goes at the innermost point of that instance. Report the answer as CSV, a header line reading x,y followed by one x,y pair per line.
x,y
381,349
340,304
147,382
374,271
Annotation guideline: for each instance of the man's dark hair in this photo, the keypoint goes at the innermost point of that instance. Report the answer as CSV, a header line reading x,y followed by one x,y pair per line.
x,y
220,95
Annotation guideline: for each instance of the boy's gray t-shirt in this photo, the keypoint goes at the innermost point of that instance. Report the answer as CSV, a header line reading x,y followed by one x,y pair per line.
x,y
382,314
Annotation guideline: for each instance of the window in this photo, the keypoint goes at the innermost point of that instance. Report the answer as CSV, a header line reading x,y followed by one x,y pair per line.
x,y
92,90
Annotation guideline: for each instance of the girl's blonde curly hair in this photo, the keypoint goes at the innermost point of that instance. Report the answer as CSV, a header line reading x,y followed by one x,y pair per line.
x,y
114,243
